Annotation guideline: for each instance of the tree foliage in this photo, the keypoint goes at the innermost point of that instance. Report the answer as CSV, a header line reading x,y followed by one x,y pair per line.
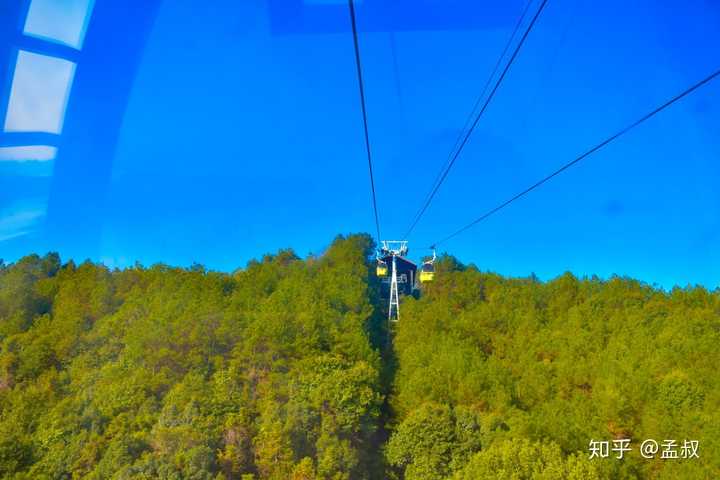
x,y
177,373
547,367
275,372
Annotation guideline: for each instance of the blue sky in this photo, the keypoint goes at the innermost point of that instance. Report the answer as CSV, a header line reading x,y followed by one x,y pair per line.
x,y
243,135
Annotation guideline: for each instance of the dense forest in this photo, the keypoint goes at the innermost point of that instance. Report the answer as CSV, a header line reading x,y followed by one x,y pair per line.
x,y
285,369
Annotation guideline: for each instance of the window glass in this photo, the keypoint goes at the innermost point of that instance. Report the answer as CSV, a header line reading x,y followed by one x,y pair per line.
x,y
35,153
61,21
39,93
20,218
331,2
26,161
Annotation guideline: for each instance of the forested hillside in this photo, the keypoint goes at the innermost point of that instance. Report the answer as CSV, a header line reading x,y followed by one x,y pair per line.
x,y
280,370
506,378
184,374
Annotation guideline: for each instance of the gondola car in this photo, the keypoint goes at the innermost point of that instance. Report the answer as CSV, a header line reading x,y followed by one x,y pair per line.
x,y
427,270
382,269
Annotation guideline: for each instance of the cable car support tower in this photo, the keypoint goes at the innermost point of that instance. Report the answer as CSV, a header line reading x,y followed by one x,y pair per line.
x,y
388,255
394,307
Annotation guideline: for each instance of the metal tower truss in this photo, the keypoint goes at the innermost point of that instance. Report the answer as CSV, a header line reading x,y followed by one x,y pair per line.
x,y
394,247
394,307
390,252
